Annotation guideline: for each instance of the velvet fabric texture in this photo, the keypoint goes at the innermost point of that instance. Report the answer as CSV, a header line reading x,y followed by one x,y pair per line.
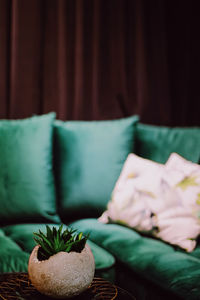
x,y
12,258
27,190
169,268
158,142
20,236
88,160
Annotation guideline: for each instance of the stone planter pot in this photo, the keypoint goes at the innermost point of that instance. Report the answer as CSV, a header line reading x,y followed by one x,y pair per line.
x,y
64,274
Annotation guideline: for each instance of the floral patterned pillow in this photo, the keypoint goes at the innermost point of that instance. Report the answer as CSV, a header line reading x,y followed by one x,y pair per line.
x,y
187,182
148,197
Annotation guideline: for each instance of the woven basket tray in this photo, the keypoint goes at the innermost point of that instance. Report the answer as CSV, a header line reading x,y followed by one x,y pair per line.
x,y
17,286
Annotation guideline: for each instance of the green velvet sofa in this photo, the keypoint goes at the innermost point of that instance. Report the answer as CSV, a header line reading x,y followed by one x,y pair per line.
x,y
54,172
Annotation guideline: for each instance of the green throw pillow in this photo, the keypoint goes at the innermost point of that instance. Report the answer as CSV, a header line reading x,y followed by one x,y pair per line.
x,y
27,189
89,156
158,142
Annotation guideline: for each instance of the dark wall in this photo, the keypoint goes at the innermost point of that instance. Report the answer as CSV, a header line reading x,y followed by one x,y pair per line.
x,y
101,59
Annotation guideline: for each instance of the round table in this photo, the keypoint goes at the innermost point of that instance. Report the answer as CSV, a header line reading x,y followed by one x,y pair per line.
x,y
18,286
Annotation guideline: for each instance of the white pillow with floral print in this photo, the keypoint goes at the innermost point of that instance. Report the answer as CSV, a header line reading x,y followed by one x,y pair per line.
x,y
187,182
142,190
146,197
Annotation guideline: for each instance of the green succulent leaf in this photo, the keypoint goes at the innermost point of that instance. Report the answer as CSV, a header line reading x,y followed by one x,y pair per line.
x,y
56,240
49,233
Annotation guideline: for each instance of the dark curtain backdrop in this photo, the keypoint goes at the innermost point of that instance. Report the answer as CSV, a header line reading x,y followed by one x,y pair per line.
x,y
101,59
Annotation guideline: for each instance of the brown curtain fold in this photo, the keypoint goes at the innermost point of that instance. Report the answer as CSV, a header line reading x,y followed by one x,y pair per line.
x,y
101,59
4,57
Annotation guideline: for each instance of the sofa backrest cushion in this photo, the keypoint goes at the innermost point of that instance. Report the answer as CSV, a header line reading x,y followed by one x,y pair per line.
x,y
27,189
89,156
158,142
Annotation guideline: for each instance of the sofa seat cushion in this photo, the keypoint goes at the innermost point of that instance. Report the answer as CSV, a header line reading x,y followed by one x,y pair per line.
x,y
21,235
158,142
12,257
89,156
172,269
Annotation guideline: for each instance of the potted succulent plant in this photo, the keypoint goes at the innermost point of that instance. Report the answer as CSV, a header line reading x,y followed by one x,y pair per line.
x,y
62,264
